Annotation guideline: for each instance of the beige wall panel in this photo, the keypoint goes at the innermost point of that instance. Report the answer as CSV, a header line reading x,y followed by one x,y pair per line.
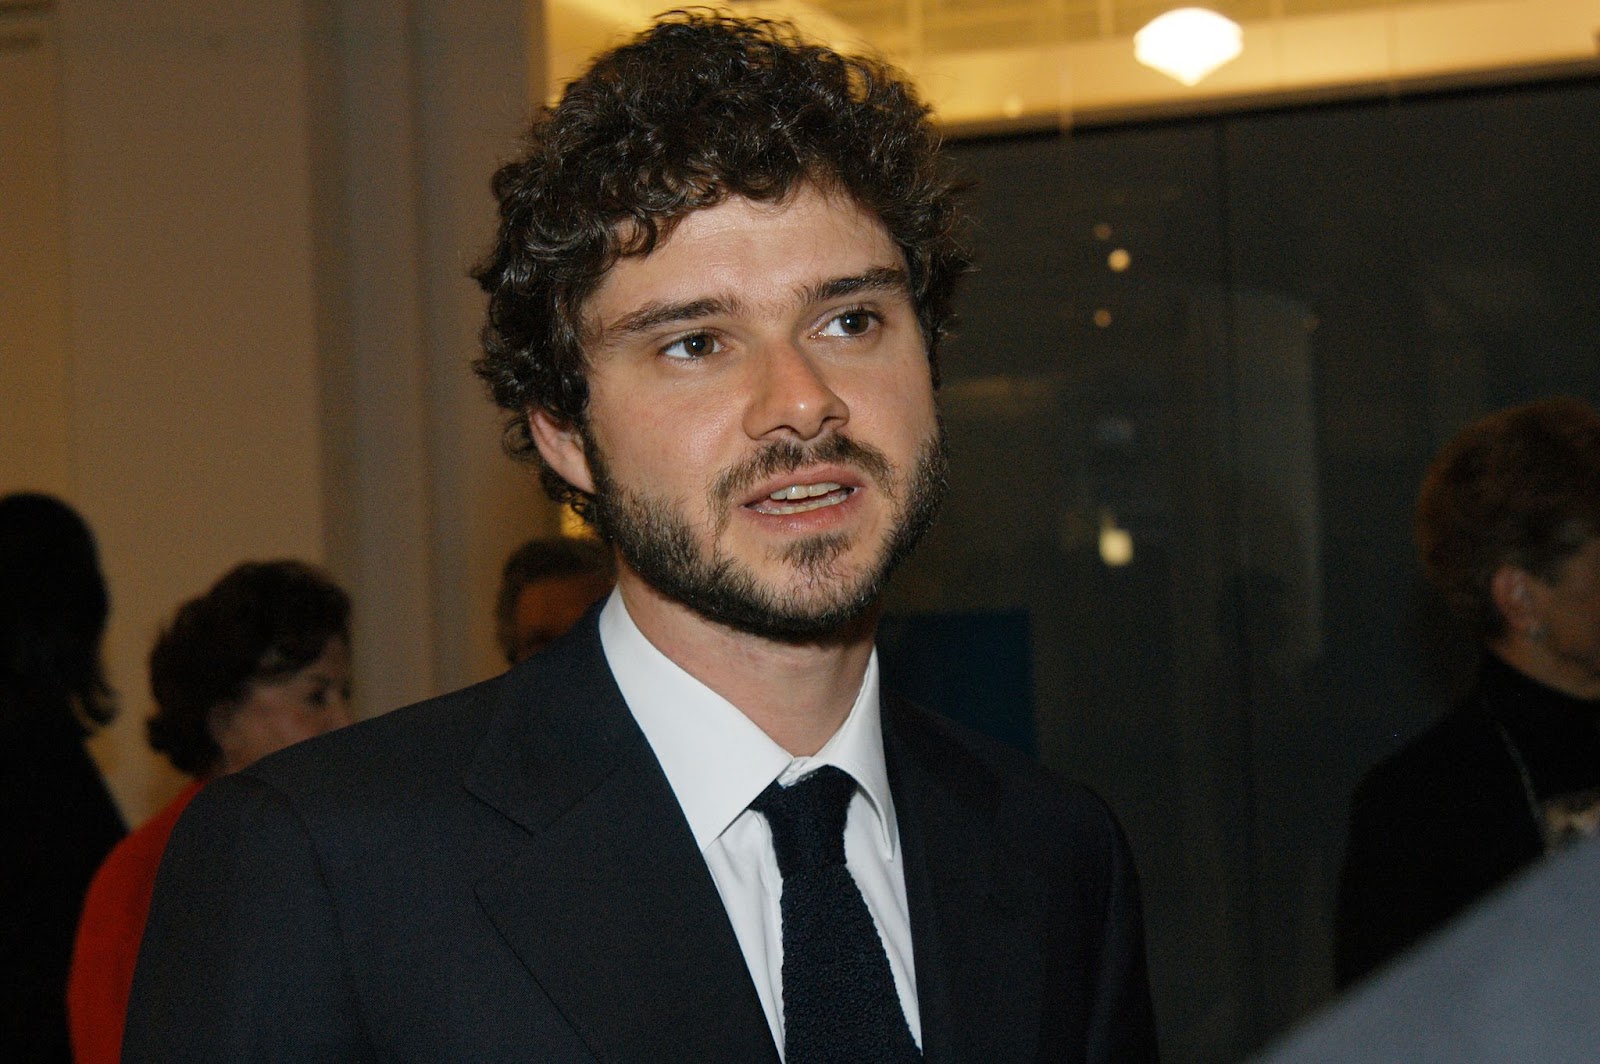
x,y
474,102
432,99
374,339
266,215
196,379
34,378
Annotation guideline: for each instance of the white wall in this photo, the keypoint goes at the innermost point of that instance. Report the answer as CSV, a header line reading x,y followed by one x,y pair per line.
x,y
241,323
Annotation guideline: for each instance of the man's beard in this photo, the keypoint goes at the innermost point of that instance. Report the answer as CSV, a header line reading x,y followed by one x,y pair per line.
x,y
659,542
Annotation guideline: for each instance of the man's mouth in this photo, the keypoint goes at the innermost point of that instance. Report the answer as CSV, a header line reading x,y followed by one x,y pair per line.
x,y
801,498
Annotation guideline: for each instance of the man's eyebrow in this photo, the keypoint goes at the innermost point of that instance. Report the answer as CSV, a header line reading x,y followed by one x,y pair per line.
x,y
877,279
654,315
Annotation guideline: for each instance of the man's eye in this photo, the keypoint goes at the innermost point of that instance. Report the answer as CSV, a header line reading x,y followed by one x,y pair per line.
x,y
697,345
850,323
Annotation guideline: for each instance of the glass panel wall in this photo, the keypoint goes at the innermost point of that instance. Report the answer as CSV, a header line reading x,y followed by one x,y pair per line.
x,y
1200,369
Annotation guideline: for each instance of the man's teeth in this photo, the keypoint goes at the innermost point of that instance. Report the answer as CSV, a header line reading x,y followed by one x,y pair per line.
x,y
802,491
799,498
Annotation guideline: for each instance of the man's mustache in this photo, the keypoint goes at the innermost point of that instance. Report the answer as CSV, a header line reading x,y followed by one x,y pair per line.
x,y
786,456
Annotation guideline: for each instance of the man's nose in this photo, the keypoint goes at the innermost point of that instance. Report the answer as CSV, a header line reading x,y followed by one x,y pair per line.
x,y
792,396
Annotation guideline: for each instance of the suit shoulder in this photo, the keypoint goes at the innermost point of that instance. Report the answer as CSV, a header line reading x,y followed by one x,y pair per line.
x,y
986,773
935,736
1453,790
1457,751
395,749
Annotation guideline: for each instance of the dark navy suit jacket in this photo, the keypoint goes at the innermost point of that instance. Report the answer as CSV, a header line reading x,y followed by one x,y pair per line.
x,y
503,874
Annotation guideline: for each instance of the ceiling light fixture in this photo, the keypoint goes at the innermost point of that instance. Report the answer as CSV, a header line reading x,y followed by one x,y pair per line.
x,y
1188,44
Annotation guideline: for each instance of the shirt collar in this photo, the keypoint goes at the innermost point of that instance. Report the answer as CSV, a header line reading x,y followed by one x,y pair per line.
x,y
715,758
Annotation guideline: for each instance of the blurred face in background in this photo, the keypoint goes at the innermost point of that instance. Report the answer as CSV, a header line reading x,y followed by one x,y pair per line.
x,y
284,710
546,608
1569,623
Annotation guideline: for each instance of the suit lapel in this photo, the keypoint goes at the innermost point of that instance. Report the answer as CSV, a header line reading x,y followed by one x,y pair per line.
x,y
973,916
610,906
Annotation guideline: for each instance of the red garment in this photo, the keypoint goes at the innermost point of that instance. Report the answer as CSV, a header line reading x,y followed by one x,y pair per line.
x,y
114,914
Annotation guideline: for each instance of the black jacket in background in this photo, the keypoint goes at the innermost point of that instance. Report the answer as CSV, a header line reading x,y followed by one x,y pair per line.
x,y
1457,812
57,823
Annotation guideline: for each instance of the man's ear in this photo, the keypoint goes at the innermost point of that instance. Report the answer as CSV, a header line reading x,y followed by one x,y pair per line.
x,y
561,446
1517,595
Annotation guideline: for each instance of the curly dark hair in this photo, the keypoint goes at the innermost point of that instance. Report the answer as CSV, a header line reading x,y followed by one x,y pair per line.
x,y
696,109
261,621
53,610
1519,487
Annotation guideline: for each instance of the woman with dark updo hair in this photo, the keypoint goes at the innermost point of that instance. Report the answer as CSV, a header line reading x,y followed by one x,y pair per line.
x,y
57,819
258,663
1508,530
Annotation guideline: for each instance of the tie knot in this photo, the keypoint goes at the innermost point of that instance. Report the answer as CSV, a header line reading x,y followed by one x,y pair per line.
x,y
807,819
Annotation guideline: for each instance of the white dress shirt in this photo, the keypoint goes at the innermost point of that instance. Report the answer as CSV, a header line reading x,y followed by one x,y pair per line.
x,y
717,761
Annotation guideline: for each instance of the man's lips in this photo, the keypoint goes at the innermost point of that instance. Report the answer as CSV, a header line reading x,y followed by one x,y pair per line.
x,y
797,494
802,498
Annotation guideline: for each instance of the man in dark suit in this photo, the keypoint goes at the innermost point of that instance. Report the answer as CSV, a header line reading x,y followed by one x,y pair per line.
x,y
691,829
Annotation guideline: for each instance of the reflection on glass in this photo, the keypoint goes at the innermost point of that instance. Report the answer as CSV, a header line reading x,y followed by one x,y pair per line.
x,y
1116,544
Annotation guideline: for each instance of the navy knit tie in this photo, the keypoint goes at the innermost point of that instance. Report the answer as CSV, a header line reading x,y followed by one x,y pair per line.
x,y
839,1000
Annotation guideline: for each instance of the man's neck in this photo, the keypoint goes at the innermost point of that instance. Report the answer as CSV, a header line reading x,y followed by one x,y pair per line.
x,y
798,693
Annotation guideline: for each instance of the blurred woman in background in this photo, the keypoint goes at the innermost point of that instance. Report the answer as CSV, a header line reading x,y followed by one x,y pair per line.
x,y
57,819
1508,530
259,662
